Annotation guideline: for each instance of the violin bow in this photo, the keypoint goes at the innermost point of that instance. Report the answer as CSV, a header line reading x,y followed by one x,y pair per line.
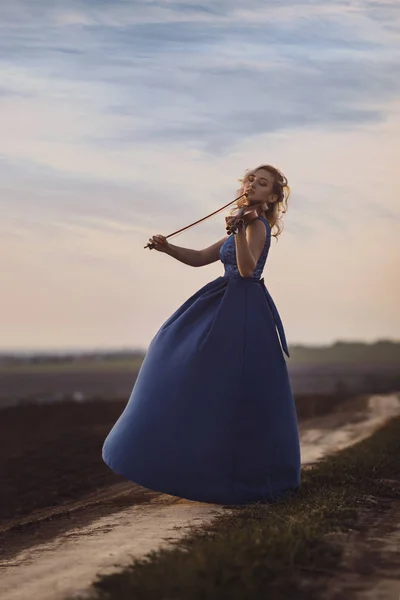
x,y
199,221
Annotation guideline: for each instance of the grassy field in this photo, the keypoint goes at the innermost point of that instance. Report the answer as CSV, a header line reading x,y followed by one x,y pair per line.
x,y
119,364
114,377
278,551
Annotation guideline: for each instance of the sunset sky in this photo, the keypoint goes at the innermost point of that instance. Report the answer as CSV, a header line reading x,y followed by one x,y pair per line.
x,y
123,119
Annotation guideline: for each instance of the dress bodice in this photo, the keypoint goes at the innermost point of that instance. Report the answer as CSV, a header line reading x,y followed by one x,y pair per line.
x,y
227,255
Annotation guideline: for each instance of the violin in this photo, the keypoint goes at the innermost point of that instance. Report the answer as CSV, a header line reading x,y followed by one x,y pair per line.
x,y
243,216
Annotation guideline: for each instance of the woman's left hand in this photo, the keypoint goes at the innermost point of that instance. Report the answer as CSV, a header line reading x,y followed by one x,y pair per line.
x,y
237,222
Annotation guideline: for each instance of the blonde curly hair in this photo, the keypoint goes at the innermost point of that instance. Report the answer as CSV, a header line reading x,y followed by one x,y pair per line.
x,y
280,206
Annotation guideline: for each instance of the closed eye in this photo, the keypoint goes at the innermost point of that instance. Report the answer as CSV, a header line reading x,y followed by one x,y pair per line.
x,y
264,181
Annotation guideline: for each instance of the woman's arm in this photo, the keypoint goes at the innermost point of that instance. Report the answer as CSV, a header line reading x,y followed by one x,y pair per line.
x,y
185,255
211,254
193,258
249,245
197,258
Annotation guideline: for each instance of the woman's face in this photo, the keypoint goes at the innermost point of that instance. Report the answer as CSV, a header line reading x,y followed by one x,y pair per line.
x,y
259,187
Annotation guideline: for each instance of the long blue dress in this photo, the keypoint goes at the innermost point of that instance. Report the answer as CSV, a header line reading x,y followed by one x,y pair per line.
x,y
211,416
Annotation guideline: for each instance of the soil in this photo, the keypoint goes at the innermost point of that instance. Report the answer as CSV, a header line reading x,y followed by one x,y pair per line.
x,y
50,454
54,484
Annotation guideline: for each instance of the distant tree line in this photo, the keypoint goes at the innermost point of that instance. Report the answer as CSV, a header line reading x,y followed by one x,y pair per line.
x,y
381,351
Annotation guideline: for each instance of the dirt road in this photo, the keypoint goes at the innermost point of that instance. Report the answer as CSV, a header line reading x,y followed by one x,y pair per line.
x,y
57,550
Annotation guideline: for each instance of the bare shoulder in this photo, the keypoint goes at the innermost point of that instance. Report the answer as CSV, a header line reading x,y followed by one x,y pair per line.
x,y
256,224
256,228
211,254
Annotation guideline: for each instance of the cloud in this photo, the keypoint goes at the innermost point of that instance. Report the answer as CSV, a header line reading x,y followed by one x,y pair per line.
x,y
246,70
84,84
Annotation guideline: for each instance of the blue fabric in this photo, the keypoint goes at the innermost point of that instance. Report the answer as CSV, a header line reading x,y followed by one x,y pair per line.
x,y
211,416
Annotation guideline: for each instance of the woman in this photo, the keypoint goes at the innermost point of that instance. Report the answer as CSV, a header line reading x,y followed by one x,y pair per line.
x,y
212,416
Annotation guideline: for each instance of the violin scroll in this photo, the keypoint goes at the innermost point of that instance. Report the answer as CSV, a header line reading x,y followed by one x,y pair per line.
x,y
243,217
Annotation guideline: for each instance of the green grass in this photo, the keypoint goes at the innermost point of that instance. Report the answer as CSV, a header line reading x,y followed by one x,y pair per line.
x,y
131,364
270,551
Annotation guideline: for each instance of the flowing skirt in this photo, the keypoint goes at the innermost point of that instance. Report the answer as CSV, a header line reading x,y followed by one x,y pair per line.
x,y
211,416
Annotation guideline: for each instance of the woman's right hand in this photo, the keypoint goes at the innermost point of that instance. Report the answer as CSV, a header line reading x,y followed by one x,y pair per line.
x,y
160,243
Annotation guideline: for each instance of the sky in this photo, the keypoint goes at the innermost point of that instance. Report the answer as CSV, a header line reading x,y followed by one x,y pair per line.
x,y
120,120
